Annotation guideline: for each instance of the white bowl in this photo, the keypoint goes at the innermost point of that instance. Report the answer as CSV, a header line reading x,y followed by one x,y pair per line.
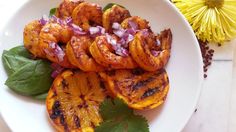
x,y
23,114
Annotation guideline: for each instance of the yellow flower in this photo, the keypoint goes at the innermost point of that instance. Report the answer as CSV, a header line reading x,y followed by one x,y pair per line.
x,y
212,20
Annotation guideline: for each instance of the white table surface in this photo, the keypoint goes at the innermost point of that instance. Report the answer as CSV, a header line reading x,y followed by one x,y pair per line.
x,y
216,109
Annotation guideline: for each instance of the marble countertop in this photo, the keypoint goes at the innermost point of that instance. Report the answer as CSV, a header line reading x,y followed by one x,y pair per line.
x,y
216,109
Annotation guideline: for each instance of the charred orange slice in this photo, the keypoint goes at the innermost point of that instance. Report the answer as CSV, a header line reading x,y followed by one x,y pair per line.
x,y
73,101
139,89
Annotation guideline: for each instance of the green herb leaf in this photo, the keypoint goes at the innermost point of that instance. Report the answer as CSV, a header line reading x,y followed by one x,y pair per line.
x,y
31,79
109,5
41,96
118,117
26,76
52,12
15,59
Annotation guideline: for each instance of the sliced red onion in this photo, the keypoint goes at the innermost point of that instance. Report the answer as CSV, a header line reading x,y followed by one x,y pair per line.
x,y
57,20
145,32
125,35
111,40
57,69
123,43
118,46
43,20
133,25
155,53
125,52
55,66
48,52
101,30
55,74
52,45
108,37
77,30
119,32
46,30
115,47
122,52
55,50
130,38
158,42
76,27
94,30
60,55
131,31
116,26
68,21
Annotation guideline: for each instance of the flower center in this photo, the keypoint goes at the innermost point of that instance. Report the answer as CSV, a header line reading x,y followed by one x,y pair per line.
x,y
214,3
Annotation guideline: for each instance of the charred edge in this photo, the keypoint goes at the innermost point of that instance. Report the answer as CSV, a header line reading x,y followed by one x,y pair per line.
x,y
150,92
84,104
142,83
63,123
118,89
138,71
93,125
77,121
159,72
166,37
54,92
56,111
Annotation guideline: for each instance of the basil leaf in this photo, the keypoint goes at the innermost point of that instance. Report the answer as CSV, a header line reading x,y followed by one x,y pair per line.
x,y
15,59
52,12
109,5
31,79
26,76
21,51
41,96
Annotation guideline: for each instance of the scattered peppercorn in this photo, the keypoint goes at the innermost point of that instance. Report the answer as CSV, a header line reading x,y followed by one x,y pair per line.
x,y
207,55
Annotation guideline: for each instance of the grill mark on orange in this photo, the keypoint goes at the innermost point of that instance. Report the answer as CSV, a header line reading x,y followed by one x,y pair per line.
x,y
63,122
77,121
56,111
142,83
150,92
54,92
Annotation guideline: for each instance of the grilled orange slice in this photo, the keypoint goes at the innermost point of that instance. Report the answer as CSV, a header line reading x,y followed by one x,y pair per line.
x,y
139,89
73,101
